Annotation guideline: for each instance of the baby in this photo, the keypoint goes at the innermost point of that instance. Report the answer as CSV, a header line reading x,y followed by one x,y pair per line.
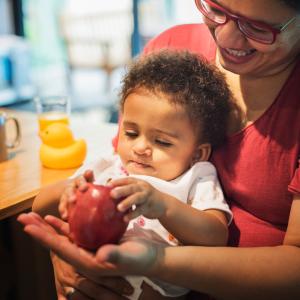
x,y
174,110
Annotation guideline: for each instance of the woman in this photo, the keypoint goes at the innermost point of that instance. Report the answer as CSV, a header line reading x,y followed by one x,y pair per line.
x,y
256,44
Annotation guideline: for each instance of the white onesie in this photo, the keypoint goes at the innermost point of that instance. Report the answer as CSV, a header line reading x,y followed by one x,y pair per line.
x,y
198,187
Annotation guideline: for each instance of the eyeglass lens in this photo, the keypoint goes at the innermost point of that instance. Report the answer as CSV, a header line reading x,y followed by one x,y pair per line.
x,y
250,29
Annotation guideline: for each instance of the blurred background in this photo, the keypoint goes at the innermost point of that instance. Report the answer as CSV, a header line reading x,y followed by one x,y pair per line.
x,y
77,48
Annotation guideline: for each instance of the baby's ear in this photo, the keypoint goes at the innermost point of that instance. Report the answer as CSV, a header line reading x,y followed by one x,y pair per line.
x,y
202,153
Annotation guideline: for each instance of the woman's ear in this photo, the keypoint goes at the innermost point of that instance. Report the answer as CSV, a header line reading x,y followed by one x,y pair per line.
x,y
202,153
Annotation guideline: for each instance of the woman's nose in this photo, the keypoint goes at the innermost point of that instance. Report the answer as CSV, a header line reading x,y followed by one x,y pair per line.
x,y
229,35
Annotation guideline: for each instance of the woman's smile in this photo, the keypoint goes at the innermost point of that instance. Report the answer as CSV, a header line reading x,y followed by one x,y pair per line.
x,y
237,56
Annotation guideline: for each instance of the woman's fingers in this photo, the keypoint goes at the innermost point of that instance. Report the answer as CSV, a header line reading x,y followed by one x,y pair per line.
x,y
67,280
49,237
59,225
61,245
131,257
61,296
64,275
61,292
77,295
34,219
50,224
44,233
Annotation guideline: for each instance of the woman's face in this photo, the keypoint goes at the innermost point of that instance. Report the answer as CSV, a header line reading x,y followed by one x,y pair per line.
x,y
244,56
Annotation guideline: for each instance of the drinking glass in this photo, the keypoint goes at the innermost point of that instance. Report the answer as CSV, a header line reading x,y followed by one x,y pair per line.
x,y
52,109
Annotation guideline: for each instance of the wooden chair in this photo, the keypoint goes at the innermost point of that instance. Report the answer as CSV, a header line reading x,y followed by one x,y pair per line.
x,y
98,41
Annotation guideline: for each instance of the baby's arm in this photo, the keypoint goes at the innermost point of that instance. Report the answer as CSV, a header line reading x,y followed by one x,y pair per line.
x,y
189,225
192,226
47,200
53,196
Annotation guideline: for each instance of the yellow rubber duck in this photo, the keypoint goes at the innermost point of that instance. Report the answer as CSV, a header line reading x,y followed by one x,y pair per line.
x,y
59,150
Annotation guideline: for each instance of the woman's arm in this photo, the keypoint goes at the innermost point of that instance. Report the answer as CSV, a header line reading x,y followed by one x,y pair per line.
x,y
222,272
234,273
239,273
229,273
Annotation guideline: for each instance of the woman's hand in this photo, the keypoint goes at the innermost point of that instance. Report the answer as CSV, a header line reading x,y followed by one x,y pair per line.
x,y
135,257
148,201
85,283
71,285
63,273
68,196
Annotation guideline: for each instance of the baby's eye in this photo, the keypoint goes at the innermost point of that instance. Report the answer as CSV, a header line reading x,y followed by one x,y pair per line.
x,y
163,143
131,133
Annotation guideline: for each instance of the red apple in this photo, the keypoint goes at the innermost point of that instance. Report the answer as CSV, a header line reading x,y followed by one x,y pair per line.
x,y
94,219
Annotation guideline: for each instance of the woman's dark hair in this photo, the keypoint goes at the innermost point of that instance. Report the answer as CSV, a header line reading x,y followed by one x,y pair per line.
x,y
188,80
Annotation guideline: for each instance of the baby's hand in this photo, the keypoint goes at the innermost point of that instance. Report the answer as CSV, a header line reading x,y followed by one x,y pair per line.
x,y
147,200
69,195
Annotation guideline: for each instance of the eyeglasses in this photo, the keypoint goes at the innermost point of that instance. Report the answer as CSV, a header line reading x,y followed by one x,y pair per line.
x,y
254,30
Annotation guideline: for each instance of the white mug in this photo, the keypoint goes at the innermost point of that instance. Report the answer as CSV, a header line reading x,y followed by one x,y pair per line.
x,y
4,144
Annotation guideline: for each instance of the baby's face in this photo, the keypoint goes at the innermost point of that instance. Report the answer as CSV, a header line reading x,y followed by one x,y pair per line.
x,y
156,137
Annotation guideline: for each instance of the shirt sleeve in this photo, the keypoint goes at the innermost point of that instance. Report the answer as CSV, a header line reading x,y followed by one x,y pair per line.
x,y
192,37
294,186
206,192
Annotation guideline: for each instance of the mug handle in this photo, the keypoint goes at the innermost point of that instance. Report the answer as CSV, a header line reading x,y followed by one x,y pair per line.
x,y
17,138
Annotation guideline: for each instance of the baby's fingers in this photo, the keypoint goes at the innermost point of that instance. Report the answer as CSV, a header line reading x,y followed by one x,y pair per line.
x,y
135,199
137,202
66,199
132,214
89,176
81,182
63,207
125,191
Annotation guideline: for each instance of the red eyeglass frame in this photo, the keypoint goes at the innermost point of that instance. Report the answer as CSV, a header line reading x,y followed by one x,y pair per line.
x,y
237,18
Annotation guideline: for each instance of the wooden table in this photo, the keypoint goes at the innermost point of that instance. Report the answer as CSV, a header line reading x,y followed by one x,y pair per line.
x,y
25,265
22,176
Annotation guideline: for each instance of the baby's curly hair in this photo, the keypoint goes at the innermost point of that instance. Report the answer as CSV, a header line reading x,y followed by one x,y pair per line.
x,y
185,79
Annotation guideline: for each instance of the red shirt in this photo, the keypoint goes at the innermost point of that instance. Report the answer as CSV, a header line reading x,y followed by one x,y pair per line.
x,y
259,166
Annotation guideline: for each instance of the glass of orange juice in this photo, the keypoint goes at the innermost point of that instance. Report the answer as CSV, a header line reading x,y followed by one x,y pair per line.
x,y
52,109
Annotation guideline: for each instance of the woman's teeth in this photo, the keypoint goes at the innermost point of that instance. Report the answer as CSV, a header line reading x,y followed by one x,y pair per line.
x,y
239,52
